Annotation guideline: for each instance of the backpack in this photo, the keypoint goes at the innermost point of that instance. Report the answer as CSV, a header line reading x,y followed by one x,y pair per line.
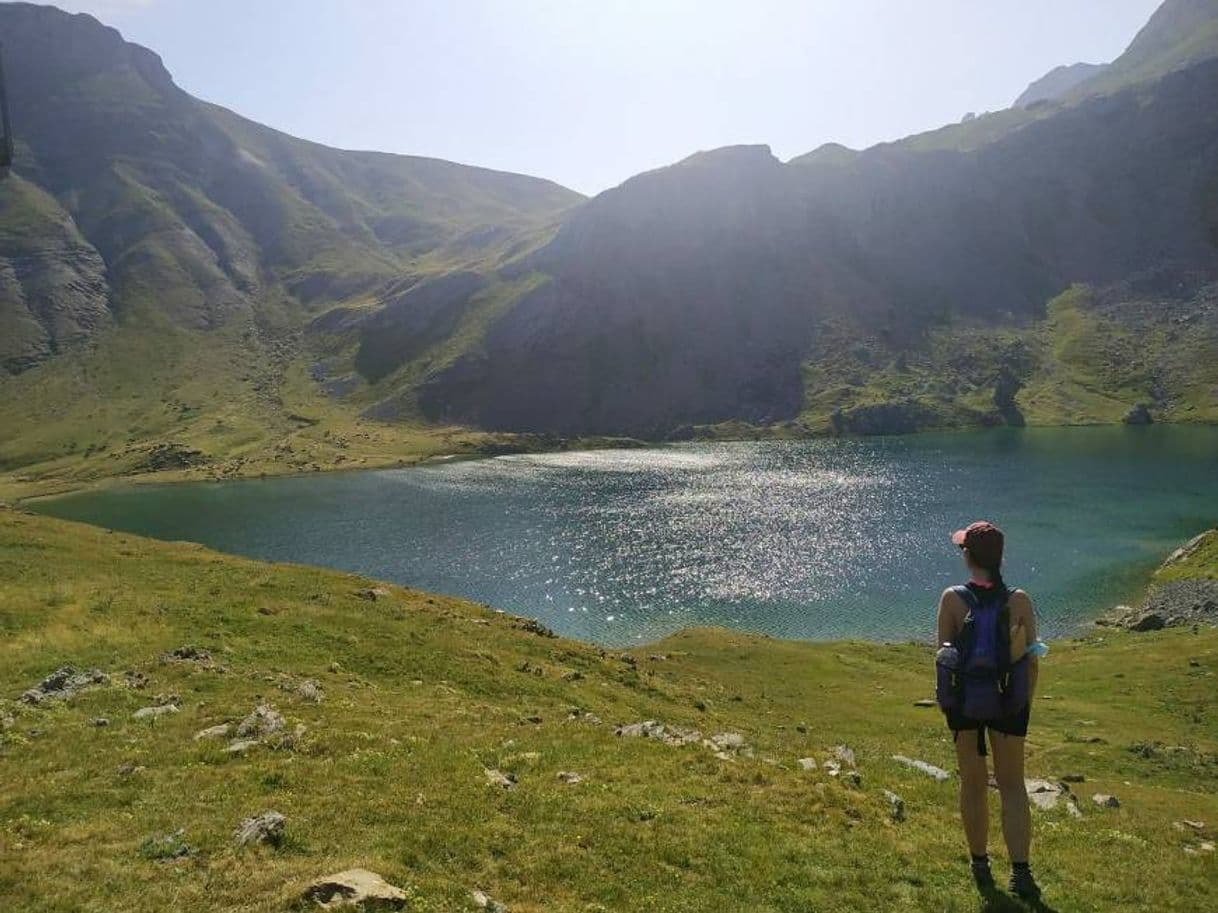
x,y
982,683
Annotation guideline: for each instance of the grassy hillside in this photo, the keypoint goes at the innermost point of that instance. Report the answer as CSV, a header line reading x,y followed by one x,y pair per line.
x,y
422,695
1093,356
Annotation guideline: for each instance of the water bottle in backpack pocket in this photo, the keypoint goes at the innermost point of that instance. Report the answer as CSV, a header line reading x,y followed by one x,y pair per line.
x,y
947,663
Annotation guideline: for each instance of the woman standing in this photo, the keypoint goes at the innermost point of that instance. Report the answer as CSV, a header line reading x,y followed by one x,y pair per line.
x,y
986,679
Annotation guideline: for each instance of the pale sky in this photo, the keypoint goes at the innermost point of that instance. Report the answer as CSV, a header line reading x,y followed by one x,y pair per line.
x,y
589,92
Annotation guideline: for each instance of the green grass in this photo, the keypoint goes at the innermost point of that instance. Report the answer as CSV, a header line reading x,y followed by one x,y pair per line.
x,y
423,693
1083,362
1199,562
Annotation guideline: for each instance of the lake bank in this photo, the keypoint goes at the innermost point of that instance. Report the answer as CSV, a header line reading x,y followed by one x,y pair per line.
x,y
825,539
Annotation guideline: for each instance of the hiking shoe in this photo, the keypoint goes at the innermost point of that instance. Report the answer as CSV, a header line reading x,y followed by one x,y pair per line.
x,y
983,877
1023,885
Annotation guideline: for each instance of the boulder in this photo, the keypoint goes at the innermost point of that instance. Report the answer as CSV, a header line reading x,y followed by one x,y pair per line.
x,y
355,889
1148,621
1138,415
1103,800
266,828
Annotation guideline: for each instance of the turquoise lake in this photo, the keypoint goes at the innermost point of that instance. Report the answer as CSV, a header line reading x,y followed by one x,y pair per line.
x,y
814,539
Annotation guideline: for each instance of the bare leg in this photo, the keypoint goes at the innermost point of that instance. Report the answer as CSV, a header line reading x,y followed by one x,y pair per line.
x,y
974,780
1016,816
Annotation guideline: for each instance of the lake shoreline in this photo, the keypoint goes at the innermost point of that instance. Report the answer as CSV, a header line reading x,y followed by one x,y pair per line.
x,y
15,488
775,598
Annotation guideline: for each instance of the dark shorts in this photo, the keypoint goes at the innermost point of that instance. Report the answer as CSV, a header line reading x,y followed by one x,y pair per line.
x,y
1017,724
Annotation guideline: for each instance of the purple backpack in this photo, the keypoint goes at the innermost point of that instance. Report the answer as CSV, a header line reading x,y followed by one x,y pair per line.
x,y
980,682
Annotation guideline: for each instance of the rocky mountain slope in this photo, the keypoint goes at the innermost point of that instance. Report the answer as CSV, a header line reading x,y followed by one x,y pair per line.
x,y
160,256
198,214
732,286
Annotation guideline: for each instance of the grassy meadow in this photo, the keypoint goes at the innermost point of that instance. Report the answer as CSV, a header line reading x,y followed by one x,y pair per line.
x,y
421,696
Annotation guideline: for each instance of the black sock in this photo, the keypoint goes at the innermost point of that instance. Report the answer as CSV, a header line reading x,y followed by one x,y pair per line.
x,y
1020,867
983,859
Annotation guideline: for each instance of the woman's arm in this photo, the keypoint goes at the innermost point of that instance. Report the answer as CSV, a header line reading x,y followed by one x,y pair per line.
x,y
1021,608
949,618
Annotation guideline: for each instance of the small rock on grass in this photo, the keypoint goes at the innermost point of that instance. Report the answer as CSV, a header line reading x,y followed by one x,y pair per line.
x,y
266,828
213,732
1046,794
309,690
727,741
62,684
355,889
99,721
149,713
483,902
844,755
569,777
807,763
896,805
241,746
263,721
187,654
500,779
929,769
163,847
1103,800
925,702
